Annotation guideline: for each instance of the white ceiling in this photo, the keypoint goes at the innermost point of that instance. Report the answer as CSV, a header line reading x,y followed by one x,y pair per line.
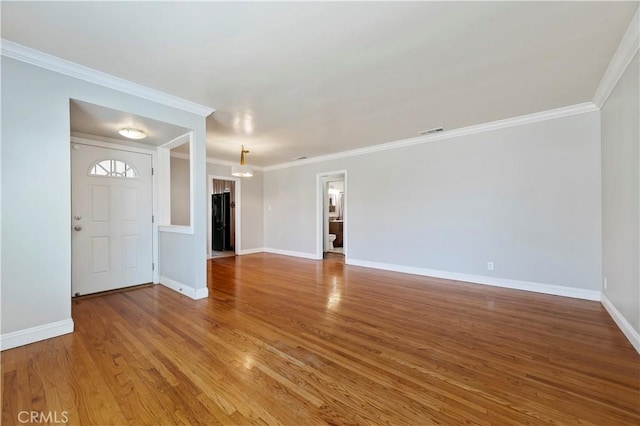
x,y
313,78
97,120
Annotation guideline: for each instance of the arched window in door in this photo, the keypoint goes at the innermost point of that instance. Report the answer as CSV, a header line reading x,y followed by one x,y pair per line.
x,y
113,168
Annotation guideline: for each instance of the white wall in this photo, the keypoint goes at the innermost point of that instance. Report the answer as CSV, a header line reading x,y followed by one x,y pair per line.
x,y
36,222
251,207
526,198
180,192
174,258
621,195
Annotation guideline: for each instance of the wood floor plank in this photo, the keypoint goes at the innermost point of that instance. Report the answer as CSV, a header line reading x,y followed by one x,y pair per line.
x,y
287,341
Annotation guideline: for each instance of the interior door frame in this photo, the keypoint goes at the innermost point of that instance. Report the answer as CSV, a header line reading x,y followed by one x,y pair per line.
x,y
236,214
106,143
322,212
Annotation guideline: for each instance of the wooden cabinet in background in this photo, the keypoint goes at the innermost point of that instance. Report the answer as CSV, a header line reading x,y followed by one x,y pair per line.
x,y
336,228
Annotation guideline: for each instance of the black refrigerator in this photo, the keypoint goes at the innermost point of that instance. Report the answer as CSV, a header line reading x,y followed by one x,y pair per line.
x,y
221,231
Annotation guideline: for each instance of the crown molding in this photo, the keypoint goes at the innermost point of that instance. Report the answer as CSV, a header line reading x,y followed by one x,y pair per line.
x,y
22,53
627,49
464,131
180,140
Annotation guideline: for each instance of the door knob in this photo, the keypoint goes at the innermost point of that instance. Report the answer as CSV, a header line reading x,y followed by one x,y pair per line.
x,y
76,217
78,228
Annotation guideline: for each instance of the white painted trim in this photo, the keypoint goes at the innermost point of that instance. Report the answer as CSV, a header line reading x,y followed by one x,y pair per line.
x,y
176,229
250,251
237,212
304,255
163,173
195,294
44,60
621,59
102,142
155,183
128,143
627,329
322,227
35,334
180,140
201,293
553,289
448,134
111,145
192,180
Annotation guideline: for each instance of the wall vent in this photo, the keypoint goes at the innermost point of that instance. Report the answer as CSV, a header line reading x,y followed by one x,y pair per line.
x,y
431,131
302,157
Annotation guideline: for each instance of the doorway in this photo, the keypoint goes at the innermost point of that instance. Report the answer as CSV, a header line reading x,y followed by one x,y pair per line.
x,y
112,230
224,218
334,242
331,215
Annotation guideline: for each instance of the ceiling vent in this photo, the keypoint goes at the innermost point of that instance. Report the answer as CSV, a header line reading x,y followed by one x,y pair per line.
x,y
431,131
302,157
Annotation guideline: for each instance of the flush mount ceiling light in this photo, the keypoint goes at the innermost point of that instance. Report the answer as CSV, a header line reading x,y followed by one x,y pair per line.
x,y
131,133
242,170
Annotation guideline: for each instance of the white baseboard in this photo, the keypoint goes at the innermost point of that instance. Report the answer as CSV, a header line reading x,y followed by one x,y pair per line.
x,y
556,290
35,334
250,251
302,254
201,293
622,323
196,294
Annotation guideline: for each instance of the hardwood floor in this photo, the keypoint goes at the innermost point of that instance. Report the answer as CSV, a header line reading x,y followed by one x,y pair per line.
x,y
290,341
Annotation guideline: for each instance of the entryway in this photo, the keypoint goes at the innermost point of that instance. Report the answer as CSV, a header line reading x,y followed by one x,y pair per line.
x,y
332,214
111,223
224,227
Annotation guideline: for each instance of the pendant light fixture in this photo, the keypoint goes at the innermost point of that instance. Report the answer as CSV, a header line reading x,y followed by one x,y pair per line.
x,y
242,170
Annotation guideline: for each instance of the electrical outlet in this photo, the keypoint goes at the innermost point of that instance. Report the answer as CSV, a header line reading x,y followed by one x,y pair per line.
x,y
605,283
489,266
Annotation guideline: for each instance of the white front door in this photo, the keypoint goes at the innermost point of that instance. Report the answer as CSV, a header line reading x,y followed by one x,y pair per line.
x,y
111,223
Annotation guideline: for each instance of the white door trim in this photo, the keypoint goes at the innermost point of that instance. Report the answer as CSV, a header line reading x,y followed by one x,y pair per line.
x,y
237,212
154,190
321,179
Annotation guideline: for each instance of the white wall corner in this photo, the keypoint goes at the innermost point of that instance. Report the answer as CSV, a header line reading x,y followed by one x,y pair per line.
x,y
35,334
619,62
62,66
292,253
627,329
552,289
193,293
